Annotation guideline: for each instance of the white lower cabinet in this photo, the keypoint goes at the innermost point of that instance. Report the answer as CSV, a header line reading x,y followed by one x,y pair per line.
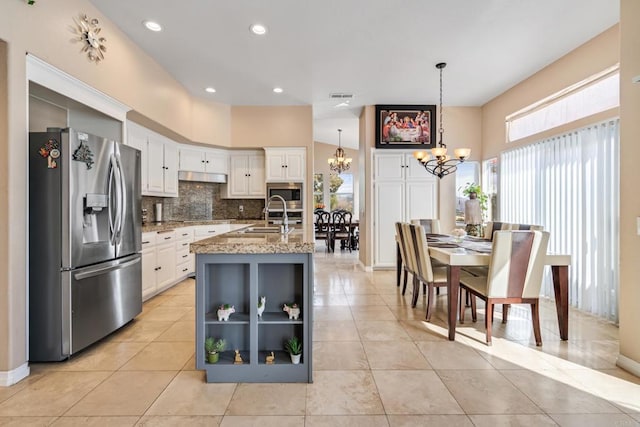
x,y
166,259
158,262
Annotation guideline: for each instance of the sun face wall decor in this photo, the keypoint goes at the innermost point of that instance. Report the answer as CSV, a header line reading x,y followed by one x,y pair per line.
x,y
87,31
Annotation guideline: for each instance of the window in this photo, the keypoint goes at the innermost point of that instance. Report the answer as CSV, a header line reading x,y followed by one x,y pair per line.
x,y
341,191
466,173
490,187
318,191
597,94
569,184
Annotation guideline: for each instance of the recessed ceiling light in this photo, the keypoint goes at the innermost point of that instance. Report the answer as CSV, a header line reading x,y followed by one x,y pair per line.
x,y
258,29
153,26
277,89
210,90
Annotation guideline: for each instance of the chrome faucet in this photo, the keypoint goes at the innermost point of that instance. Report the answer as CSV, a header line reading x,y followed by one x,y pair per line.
x,y
285,218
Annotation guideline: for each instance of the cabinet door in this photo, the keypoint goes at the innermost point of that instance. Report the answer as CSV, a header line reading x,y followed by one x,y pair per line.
x,y
216,162
275,166
148,272
166,264
238,176
294,166
192,160
136,138
170,169
256,185
156,166
389,166
421,199
389,209
414,169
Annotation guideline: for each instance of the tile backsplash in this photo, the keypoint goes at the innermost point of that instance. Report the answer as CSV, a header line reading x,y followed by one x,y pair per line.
x,y
202,201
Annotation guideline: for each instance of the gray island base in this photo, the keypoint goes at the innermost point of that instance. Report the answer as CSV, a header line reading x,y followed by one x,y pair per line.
x,y
281,270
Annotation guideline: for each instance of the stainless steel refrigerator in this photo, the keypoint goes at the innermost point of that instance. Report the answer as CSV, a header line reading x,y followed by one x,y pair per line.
x,y
84,241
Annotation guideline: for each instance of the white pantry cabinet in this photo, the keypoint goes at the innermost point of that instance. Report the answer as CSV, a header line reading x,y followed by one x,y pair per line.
x,y
403,190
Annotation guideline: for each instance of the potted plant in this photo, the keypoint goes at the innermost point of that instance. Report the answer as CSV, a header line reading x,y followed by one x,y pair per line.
x,y
474,191
213,348
293,346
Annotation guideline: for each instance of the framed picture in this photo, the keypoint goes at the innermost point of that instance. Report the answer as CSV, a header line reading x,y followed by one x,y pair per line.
x,y
405,126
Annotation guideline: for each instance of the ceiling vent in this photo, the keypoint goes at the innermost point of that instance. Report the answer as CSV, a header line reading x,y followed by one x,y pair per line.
x,y
340,95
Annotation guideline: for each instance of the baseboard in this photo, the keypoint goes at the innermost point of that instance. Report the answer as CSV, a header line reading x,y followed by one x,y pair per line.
x,y
365,267
628,365
8,378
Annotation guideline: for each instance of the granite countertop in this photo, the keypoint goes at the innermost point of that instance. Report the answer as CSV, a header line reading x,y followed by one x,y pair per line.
x,y
300,240
170,225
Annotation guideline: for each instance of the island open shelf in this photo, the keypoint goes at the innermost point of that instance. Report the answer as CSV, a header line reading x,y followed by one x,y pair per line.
x,y
240,280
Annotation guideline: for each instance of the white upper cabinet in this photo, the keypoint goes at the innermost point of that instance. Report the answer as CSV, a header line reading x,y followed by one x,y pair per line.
x,y
399,165
246,175
196,159
159,161
285,164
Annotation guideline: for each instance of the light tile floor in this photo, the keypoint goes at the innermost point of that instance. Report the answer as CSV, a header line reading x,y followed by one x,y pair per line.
x,y
376,363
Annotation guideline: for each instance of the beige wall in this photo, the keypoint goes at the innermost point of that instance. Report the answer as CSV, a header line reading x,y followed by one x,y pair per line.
x,y
366,132
322,152
6,304
629,174
594,56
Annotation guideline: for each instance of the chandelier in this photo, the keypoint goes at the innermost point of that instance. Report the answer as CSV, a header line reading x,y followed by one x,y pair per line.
x,y
339,163
441,164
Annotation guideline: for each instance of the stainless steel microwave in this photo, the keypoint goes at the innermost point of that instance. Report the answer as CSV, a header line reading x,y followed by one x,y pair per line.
x,y
291,192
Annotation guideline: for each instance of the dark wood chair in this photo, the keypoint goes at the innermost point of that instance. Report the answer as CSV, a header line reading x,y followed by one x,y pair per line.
x,y
341,221
323,229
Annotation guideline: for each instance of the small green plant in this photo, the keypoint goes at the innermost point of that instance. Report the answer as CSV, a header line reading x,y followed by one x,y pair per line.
x,y
293,346
211,345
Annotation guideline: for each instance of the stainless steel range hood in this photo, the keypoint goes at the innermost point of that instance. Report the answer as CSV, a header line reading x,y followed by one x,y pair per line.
x,y
202,177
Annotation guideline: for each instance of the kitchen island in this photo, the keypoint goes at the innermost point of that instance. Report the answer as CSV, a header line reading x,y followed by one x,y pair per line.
x,y
233,272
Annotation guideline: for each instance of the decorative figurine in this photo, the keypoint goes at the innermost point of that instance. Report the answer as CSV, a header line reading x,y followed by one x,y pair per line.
x,y
270,359
293,310
238,358
224,311
261,304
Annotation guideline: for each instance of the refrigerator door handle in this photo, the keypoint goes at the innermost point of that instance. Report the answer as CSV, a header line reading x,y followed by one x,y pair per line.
x,y
123,197
101,270
112,220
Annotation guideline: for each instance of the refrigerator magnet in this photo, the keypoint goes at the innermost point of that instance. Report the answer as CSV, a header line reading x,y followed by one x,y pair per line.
x,y
84,154
50,152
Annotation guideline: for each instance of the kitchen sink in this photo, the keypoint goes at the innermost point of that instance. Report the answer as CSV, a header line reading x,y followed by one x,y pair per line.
x,y
263,230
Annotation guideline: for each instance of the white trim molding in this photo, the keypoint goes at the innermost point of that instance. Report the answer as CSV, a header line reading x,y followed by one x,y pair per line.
x,y
57,80
628,365
8,378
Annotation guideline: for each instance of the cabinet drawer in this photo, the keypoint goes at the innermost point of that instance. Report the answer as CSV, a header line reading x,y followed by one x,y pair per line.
x,y
182,245
165,236
182,254
149,239
184,268
184,234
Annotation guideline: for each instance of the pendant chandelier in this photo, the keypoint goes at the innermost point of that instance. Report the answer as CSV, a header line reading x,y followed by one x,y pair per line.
x,y
441,164
339,163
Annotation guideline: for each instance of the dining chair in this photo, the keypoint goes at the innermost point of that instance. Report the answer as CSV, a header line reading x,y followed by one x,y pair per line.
x,y
323,228
400,237
425,272
492,227
514,275
431,226
341,221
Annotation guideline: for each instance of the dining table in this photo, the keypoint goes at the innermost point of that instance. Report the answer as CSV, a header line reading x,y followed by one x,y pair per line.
x,y
473,252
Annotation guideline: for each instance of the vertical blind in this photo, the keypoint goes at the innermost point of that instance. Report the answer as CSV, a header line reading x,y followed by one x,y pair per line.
x,y
570,185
